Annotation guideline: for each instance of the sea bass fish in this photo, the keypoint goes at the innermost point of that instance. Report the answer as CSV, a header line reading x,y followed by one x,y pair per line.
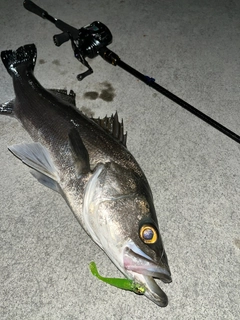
x,y
87,162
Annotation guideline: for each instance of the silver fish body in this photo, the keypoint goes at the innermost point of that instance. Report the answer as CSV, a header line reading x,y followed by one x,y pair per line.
x,y
87,162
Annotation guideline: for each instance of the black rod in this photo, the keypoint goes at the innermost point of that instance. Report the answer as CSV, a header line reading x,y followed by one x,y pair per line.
x,y
114,59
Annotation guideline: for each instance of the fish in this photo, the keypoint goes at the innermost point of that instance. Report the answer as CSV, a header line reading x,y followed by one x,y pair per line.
x,y
87,162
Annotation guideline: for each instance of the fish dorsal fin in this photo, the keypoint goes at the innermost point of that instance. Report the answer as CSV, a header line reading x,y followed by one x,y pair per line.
x,y
37,157
64,95
79,151
113,126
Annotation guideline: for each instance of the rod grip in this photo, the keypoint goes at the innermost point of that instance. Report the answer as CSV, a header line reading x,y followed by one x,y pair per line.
x,y
32,7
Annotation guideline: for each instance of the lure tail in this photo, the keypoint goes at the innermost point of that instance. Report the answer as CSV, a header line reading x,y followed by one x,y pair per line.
x,y
24,58
125,284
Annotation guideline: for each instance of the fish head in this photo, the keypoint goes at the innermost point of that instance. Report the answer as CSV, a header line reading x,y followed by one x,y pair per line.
x,y
121,219
143,255
145,259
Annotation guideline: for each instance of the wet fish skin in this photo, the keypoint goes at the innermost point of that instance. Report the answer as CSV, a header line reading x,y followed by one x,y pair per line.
x,y
87,162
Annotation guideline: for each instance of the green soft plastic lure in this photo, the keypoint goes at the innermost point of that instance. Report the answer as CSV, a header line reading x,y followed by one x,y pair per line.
x,y
125,284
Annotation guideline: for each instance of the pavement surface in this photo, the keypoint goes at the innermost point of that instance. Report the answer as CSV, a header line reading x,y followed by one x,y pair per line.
x,y
191,48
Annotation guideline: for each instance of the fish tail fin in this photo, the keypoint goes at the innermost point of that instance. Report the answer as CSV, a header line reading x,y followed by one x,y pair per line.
x,y
21,59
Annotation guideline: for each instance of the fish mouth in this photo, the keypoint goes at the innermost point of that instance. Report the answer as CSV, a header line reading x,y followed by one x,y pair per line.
x,y
145,271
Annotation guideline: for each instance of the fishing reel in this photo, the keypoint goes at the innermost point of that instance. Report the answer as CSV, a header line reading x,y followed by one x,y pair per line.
x,y
87,42
92,40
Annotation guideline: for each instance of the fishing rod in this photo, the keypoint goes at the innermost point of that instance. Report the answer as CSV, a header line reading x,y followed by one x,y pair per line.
x,y
92,40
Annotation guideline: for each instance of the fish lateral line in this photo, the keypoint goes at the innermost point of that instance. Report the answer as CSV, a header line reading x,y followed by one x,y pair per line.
x,y
125,284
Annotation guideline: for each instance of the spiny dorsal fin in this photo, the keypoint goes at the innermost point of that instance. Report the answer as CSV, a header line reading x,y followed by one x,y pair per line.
x,y
113,126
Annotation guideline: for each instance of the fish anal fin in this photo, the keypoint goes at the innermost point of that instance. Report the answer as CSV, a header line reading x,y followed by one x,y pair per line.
x,y
46,181
79,152
37,157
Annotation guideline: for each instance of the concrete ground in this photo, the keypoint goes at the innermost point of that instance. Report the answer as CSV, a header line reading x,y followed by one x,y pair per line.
x,y
192,48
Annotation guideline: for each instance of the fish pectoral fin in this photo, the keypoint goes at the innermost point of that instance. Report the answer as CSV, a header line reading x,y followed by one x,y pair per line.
x,y
37,157
7,108
79,151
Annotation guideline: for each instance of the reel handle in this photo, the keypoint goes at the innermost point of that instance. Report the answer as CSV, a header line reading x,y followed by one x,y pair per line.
x,y
59,39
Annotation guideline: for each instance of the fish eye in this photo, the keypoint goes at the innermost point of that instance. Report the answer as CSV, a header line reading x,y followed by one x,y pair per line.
x,y
148,234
